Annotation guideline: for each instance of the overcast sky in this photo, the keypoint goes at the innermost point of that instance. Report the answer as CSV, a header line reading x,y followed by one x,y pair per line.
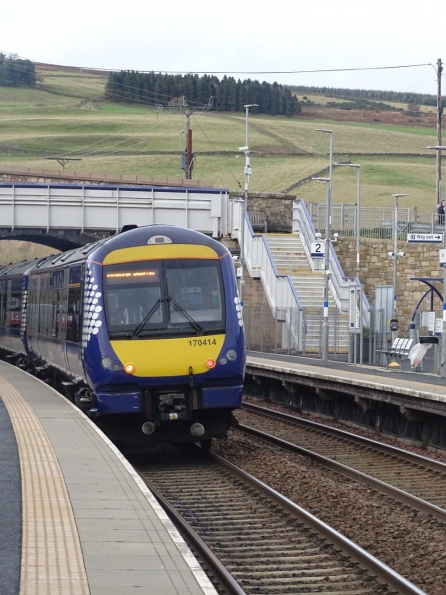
x,y
231,36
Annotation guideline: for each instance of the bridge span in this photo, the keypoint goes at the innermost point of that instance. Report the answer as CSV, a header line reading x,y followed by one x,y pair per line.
x,y
64,216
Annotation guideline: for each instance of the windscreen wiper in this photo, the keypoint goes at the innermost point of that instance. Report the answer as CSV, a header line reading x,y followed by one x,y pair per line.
x,y
186,315
147,317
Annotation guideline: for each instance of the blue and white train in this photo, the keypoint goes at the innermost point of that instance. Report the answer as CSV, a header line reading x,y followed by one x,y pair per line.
x,y
141,330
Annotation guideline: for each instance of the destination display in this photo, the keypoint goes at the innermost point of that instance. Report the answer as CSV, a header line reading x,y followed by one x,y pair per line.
x,y
130,276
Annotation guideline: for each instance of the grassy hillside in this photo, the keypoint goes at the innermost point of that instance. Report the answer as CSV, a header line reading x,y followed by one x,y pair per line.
x,y
65,116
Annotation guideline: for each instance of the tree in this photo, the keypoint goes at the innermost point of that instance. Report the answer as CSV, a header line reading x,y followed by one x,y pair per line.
x,y
15,72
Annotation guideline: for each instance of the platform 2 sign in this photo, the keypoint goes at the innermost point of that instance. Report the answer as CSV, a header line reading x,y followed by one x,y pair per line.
x,y
317,249
425,237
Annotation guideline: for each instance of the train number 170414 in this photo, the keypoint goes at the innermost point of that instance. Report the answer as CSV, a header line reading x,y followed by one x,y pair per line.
x,y
202,342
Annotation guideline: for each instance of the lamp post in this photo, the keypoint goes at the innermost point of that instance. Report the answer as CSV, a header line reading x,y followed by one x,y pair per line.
x,y
245,149
358,248
325,322
395,256
443,330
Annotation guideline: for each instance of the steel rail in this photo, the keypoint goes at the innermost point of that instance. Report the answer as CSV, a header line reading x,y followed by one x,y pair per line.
x,y
377,484
373,565
393,450
230,585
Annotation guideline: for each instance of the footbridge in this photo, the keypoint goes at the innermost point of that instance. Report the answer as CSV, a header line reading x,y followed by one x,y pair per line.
x,y
64,216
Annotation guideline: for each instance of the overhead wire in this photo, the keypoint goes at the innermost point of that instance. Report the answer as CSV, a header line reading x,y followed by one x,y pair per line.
x,y
191,71
214,147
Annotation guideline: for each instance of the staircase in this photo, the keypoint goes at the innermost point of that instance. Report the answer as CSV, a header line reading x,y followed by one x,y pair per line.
x,y
290,259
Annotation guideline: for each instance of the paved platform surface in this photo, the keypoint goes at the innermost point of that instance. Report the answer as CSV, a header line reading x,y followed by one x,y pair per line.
x,y
413,384
75,518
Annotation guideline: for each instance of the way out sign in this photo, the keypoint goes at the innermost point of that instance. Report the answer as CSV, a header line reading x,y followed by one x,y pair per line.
x,y
425,237
317,249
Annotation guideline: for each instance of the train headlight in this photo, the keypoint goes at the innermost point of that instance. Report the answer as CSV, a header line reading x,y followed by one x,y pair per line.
x,y
231,354
129,368
223,361
116,367
106,362
210,363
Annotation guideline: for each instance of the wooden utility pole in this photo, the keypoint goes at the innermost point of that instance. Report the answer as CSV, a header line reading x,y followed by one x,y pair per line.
x,y
439,113
189,155
188,158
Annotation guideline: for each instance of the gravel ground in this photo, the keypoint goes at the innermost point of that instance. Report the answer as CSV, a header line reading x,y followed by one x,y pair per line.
x,y
410,542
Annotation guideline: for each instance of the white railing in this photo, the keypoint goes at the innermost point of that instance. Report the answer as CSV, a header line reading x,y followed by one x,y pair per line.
x,y
376,222
70,206
279,289
339,284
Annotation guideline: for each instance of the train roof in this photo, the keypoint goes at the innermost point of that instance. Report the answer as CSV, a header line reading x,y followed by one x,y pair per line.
x,y
19,268
141,236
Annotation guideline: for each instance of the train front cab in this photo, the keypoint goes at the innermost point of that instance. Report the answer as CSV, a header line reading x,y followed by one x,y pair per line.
x,y
173,348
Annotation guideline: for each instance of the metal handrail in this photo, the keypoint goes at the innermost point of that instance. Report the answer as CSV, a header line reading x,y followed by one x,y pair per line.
x,y
279,289
339,284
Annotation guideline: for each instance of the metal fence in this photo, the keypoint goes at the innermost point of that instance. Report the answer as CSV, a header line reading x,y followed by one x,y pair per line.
x,y
266,334
374,222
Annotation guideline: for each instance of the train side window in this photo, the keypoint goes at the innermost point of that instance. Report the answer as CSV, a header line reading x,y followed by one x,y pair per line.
x,y
14,309
3,308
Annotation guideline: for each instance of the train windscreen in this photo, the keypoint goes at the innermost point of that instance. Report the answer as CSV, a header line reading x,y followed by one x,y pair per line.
x,y
164,298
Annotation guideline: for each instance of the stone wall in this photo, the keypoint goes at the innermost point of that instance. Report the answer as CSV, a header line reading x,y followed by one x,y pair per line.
x,y
376,268
54,176
276,208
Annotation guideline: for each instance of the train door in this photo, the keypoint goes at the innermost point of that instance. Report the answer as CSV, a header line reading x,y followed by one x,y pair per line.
x,y
15,310
9,313
64,318
74,276
3,298
33,314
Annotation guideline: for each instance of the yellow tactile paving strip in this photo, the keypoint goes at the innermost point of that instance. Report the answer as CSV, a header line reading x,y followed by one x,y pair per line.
x,y
52,562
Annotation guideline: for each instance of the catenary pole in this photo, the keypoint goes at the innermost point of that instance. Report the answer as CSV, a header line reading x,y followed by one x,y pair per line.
x,y
439,114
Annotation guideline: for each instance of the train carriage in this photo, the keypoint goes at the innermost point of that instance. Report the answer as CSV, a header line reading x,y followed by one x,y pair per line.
x,y
144,329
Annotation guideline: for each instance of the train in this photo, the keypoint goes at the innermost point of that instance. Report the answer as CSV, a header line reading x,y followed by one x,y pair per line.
x,y
142,330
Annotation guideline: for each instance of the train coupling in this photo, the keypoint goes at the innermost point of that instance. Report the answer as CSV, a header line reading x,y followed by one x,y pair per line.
x,y
148,428
197,429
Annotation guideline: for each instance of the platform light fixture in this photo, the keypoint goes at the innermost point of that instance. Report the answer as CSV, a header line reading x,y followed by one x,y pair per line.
x,y
244,205
395,256
325,322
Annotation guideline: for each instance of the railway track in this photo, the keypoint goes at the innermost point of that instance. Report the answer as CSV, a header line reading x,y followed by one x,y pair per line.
x,y
268,544
410,478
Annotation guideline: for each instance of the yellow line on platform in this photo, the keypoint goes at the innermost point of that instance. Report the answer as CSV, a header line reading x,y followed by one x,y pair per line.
x,y
52,562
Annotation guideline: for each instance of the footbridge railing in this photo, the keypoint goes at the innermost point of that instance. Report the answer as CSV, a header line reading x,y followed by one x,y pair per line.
x,y
339,284
280,292
109,207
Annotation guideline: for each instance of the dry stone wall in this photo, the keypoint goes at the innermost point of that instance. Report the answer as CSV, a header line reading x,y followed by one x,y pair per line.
x,y
53,176
376,268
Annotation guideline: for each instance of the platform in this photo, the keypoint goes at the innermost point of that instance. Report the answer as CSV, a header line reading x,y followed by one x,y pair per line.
x,y
75,517
423,392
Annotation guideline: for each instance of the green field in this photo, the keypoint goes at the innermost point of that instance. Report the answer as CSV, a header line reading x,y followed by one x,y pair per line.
x,y
66,116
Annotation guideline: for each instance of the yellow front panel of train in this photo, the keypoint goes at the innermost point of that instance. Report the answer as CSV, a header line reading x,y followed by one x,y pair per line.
x,y
169,357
